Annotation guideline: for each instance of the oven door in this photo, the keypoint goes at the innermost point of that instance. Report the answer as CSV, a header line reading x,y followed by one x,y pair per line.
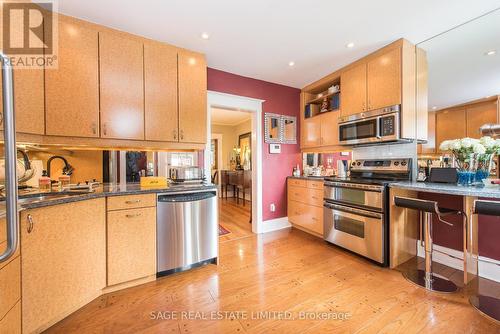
x,y
357,230
363,195
359,131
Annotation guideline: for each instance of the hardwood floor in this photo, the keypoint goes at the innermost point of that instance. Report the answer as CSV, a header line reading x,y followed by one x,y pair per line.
x,y
235,218
283,271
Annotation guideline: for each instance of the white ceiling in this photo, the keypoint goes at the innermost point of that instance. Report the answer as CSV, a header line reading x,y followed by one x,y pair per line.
x,y
228,117
259,38
459,70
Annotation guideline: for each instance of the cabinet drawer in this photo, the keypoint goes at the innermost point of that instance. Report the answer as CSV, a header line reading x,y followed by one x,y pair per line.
x,y
131,202
306,216
314,197
11,323
297,183
298,194
315,184
10,286
131,244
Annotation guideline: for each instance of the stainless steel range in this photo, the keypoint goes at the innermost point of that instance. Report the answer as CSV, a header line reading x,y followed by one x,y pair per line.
x,y
356,208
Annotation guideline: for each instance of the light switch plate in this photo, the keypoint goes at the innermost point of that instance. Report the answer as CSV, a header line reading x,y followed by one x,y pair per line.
x,y
274,148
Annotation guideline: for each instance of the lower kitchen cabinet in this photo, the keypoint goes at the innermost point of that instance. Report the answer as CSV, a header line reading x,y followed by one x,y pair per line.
x,y
11,322
131,244
305,205
63,260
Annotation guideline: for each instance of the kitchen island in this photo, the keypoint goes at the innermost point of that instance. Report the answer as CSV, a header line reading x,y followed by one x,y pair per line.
x,y
405,229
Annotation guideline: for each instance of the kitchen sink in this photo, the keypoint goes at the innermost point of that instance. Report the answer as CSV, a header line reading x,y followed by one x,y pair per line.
x,y
45,196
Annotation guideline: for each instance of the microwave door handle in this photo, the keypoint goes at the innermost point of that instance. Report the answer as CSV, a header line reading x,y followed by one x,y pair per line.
x,y
9,128
379,120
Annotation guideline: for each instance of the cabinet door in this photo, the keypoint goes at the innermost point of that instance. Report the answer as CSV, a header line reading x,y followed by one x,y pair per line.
x,y
384,80
28,92
160,89
479,114
430,146
353,90
311,132
72,90
131,244
121,86
63,260
450,124
192,97
329,129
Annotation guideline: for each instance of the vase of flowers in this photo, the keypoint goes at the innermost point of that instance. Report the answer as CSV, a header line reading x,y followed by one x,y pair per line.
x,y
473,156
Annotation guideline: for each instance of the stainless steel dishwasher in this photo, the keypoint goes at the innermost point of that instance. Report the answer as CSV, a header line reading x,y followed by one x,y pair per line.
x,y
186,230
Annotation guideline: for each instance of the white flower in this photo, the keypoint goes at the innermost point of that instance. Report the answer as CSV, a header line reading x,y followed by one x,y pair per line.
x,y
488,142
467,142
478,148
445,145
456,145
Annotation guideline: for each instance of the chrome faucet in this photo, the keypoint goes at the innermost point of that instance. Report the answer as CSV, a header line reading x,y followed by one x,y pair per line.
x,y
68,169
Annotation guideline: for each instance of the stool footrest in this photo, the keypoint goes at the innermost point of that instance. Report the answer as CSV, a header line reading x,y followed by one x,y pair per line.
x,y
435,283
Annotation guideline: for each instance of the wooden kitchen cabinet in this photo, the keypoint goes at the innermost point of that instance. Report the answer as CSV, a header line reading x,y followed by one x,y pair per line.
x,y
353,90
311,134
430,146
160,89
479,114
72,90
384,80
305,205
11,322
329,128
450,124
131,248
63,260
192,97
121,86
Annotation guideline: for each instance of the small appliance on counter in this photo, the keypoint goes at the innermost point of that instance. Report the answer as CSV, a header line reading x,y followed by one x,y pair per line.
x,y
186,175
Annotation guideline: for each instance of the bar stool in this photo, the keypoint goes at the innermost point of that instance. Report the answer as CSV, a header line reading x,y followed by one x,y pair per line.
x,y
426,278
488,305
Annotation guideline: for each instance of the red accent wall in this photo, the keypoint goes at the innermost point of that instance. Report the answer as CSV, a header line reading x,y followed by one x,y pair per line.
x,y
452,236
281,100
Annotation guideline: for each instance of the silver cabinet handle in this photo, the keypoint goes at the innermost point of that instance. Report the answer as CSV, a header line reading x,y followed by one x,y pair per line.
x,y
135,201
104,129
9,128
29,218
175,134
133,215
182,134
94,128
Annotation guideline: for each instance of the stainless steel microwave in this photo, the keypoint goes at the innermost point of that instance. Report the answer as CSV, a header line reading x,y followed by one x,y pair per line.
x,y
382,125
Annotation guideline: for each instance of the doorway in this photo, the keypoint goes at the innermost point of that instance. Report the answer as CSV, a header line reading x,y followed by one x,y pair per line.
x,y
242,153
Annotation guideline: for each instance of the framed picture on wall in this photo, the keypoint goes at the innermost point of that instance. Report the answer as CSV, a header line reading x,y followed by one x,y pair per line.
x,y
245,145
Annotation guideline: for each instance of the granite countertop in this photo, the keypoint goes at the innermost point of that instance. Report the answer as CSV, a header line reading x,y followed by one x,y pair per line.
x,y
38,200
304,177
489,191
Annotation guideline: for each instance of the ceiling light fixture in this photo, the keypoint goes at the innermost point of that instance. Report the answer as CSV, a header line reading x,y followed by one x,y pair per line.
x,y
291,64
205,35
491,53
349,45
434,108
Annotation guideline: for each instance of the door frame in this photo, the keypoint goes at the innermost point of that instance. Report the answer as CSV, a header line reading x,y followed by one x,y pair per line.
x,y
218,136
253,106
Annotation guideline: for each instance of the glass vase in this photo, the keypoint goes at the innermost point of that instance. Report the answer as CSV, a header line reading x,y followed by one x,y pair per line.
x,y
467,168
484,163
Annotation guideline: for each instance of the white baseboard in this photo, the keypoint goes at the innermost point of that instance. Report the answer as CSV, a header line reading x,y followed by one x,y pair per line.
x,y
488,268
275,224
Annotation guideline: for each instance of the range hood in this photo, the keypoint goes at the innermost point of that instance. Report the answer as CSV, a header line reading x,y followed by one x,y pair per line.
x,y
492,130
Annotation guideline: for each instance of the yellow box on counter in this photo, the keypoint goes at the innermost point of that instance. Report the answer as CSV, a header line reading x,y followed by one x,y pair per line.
x,y
154,181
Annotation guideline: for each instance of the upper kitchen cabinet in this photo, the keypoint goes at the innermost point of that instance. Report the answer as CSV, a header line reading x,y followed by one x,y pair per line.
x,y
72,90
28,91
479,114
311,134
121,86
451,124
384,80
160,89
192,97
353,83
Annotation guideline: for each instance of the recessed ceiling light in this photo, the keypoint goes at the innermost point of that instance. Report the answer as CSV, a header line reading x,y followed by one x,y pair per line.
x,y
434,108
491,53
205,35
349,45
487,97
291,64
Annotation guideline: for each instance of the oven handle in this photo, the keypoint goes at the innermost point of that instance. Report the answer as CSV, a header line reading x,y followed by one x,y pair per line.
x,y
347,209
354,186
378,135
